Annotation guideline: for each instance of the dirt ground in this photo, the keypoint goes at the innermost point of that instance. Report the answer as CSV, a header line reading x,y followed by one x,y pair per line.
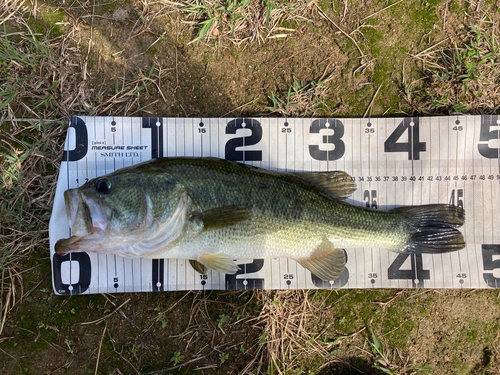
x,y
145,58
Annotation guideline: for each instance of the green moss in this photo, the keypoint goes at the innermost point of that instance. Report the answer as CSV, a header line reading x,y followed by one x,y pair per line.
x,y
49,23
459,368
53,17
289,25
111,6
455,7
398,325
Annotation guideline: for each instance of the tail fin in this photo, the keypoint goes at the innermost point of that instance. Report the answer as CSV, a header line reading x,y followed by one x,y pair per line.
x,y
433,228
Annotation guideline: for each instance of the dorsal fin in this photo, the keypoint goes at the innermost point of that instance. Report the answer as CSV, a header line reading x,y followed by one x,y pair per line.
x,y
337,184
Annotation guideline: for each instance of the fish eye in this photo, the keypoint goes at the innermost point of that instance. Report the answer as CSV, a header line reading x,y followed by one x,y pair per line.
x,y
102,185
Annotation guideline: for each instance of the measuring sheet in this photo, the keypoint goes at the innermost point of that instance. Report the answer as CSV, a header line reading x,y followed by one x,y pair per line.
x,y
394,161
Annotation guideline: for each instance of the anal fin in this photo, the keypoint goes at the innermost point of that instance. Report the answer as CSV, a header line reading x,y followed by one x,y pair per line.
x,y
218,262
327,262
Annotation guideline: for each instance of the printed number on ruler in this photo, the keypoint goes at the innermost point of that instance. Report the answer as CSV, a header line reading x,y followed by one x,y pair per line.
x,y
490,252
486,135
490,264
417,274
254,138
334,128
413,147
201,128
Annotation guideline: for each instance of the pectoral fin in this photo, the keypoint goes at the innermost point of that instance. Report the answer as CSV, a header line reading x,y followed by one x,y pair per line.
x,y
218,262
198,266
221,217
337,184
327,262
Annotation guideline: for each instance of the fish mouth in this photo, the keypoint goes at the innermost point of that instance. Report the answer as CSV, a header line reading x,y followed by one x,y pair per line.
x,y
78,213
86,219
83,213
64,246
72,203
76,244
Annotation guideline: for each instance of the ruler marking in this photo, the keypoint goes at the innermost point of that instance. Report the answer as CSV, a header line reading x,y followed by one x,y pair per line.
x,y
432,281
495,238
492,194
286,149
448,186
440,189
370,198
456,190
472,183
361,191
386,189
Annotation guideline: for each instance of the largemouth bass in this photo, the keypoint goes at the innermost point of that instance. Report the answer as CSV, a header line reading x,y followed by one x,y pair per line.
x,y
212,211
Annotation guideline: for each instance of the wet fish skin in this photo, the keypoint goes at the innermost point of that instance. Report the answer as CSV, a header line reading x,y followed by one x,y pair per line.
x,y
212,211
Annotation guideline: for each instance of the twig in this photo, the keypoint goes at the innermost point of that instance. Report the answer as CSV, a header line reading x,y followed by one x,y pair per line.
x,y
381,10
345,11
11,356
121,312
147,105
288,58
183,110
176,71
368,109
55,346
107,316
391,299
4,310
323,14
175,304
431,47
176,367
31,119
84,70
240,107
99,352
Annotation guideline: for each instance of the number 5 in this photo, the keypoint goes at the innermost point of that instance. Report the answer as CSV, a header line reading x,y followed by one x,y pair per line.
x,y
489,264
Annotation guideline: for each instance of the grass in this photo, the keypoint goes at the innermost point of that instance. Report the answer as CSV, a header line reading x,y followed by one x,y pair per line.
x,y
49,73
289,342
464,76
29,151
301,99
29,164
38,90
215,14
241,21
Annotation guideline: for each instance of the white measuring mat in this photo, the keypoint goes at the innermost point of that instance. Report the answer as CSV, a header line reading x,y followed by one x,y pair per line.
x,y
394,161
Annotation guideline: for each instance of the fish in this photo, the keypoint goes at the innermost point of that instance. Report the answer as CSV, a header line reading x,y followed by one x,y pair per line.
x,y
213,211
